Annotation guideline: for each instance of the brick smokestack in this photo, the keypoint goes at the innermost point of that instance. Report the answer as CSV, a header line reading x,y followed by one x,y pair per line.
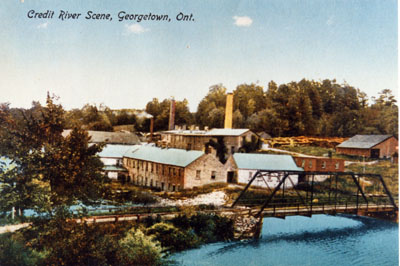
x,y
171,124
228,111
151,128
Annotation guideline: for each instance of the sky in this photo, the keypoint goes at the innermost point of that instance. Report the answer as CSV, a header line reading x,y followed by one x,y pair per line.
x,y
125,64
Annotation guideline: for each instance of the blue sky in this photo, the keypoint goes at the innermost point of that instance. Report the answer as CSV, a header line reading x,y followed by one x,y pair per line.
x,y
126,64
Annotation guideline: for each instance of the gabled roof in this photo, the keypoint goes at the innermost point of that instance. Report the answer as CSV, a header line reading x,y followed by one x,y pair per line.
x,y
116,150
363,141
121,137
271,162
177,157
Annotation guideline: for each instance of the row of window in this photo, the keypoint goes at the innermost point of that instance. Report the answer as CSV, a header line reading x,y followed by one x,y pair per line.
x,y
156,168
144,181
198,174
323,166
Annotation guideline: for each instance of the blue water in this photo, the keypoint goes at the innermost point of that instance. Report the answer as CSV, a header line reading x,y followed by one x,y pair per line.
x,y
297,240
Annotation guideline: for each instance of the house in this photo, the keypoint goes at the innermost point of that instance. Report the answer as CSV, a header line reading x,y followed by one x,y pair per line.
x,y
170,169
122,137
112,156
319,164
371,146
241,167
197,139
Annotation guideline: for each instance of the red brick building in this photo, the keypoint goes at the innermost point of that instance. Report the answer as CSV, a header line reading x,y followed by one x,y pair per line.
x,y
320,164
371,146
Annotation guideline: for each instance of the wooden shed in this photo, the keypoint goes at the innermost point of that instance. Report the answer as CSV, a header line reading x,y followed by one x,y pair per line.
x,y
371,146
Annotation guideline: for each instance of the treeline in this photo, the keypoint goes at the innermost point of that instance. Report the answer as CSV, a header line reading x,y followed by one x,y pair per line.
x,y
311,108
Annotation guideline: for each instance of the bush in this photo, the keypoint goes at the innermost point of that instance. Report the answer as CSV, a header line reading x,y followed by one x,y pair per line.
x,y
13,252
138,249
208,227
172,238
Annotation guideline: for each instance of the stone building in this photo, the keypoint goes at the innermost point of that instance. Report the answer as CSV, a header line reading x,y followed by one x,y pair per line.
x,y
370,146
241,167
197,139
170,169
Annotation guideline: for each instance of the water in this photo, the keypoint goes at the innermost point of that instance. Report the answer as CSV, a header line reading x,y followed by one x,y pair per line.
x,y
297,240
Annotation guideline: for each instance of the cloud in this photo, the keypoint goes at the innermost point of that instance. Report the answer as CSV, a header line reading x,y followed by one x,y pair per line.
x,y
135,28
242,21
43,25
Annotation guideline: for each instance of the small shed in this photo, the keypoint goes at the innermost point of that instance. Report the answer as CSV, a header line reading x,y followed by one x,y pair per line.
x,y
245,165
370,146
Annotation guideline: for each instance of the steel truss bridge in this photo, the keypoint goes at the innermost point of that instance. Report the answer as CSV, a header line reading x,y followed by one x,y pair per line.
x,y
318,193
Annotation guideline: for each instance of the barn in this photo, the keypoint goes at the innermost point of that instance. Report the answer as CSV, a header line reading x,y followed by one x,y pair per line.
x,y
370,146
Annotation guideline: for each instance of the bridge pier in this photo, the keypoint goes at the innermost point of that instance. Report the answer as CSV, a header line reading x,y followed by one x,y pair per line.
x,y
247,226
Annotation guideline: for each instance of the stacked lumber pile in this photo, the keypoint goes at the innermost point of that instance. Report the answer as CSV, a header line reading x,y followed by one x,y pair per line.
x,y
326,142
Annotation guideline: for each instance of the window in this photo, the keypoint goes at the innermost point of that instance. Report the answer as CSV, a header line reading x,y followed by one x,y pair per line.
x,y
310,164
336,166
198,174
303,163
323,165
213,174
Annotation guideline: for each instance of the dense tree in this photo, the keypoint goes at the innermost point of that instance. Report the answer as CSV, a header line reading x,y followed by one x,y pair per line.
x,y
49,170
215,100
160,112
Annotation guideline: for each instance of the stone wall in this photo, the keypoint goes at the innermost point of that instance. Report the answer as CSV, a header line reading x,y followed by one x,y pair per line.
x,y
205,170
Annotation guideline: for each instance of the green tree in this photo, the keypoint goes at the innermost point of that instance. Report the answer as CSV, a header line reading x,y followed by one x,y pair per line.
x,y
50,170
214,101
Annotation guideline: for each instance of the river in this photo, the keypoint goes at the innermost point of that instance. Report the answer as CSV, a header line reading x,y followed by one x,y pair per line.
x,y
298,240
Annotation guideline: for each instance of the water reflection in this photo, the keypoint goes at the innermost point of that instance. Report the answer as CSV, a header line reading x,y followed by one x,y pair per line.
x,y
320,240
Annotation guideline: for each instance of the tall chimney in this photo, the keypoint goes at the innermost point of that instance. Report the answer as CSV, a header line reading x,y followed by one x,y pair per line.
x,y
171,124
228,110
151,128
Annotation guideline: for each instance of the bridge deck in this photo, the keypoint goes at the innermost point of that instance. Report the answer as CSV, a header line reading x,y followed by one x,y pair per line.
x,y
362,209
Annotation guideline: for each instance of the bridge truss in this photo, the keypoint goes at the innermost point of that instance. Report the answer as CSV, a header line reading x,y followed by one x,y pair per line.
x,y
318,192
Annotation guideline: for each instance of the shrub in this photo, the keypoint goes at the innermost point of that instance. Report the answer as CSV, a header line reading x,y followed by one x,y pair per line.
x,y
138,249
13,252
172,238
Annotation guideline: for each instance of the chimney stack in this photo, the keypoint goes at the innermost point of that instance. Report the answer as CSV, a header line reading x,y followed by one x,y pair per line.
x,y
228,111
171,124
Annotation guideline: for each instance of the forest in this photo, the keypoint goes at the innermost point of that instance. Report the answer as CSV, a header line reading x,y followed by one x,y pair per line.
x,y
311,108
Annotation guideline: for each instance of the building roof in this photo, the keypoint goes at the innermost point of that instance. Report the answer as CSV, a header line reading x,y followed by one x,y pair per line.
x,y
227,131
114,168
264,135
177,157
117,150
271,162
210,133
121,137
363,141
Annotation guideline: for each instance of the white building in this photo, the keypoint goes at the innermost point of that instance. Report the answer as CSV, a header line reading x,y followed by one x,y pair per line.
x,y
111,156
241,167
